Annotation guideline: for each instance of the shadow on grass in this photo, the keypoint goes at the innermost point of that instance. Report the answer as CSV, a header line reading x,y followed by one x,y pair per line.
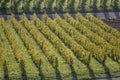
x,y
74,75
106,69
22,66
37,8
105,7
57,72
6,76
95,8
42,77
41,74
91,72
71,6
83,4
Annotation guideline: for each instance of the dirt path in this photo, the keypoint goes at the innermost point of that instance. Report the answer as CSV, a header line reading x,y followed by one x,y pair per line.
x,y
101,15
111,18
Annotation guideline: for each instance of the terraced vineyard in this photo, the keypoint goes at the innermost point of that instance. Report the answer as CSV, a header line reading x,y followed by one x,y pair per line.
x,y
81,48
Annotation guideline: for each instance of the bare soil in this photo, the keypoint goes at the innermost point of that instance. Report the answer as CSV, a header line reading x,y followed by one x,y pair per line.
x,y
115,23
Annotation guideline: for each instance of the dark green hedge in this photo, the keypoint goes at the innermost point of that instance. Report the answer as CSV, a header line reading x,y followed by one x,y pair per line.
x,y
59,6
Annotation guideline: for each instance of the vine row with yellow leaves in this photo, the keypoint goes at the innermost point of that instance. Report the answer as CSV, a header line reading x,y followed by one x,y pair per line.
x,y
95,50
43,43
110,50
59,45
78,50
96,29
103,26
33,50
